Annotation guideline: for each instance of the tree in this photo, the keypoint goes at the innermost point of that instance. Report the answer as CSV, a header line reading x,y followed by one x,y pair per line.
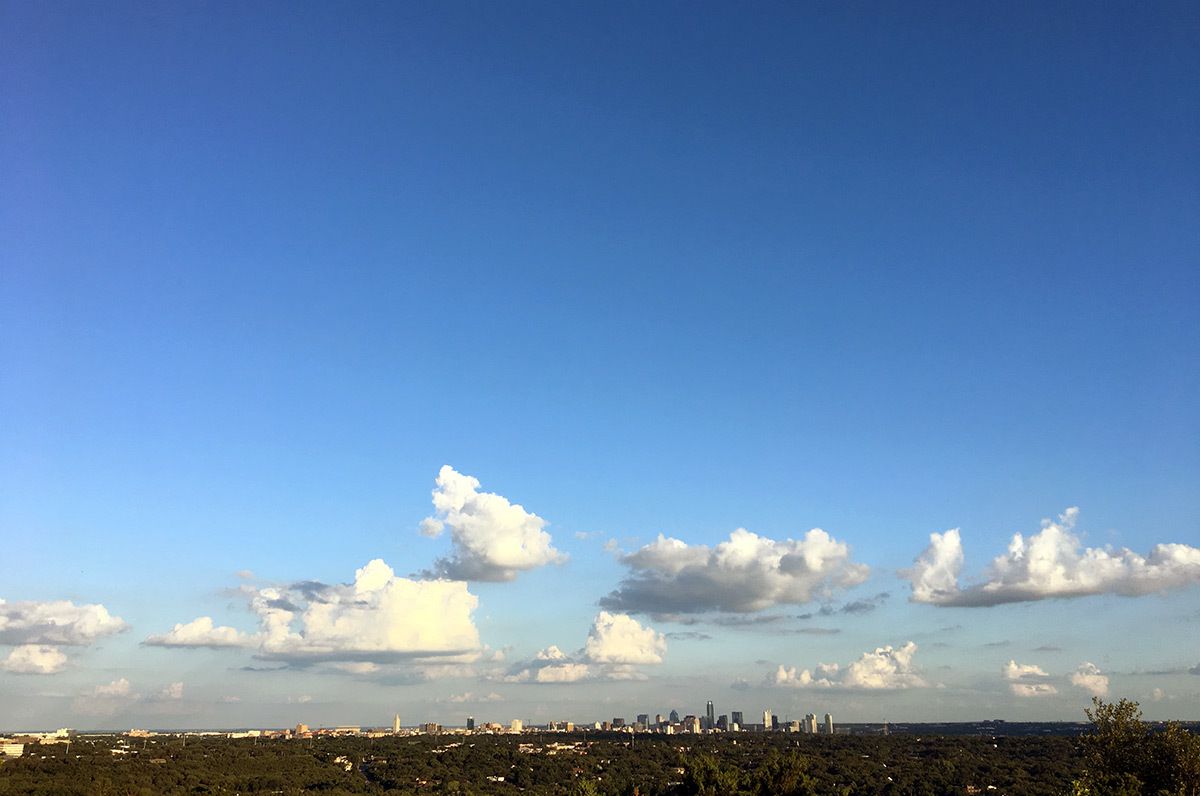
x,y
1126,759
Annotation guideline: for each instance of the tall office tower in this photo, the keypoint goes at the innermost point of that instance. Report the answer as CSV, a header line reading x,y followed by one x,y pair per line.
x,y
710,718
517,726
722,722
643,719
470,722
396,725
767,720
658,718
828,724
674,716
736,717
810,723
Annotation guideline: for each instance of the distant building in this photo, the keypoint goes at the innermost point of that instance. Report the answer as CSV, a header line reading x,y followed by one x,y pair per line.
x,y
691,724
810,723
470,722
644,720
767,720
710,717
302,729
736,717
658,719
431,728
396,725
828,724
517,725
722,722
674,716
12,749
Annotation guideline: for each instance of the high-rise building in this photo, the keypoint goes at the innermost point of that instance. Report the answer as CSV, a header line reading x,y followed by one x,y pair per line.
x,y
722,722
710,718
470,722
828,724
767,719
810,723
658,718
517,725
735,716
674,716
396,725
643,719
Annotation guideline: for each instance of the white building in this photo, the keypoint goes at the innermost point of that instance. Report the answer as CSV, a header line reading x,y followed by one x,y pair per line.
x,y
829,724
767,720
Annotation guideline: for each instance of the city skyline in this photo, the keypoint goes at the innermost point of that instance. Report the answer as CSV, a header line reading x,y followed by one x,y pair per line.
x,y
558,361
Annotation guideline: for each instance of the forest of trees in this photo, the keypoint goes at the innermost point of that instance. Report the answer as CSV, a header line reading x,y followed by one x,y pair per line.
x,y
1121,756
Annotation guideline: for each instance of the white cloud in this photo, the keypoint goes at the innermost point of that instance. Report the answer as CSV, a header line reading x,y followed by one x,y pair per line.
x,y
35,659
493,539
1089,678
201,632
171,691
1027,680
469,697
619,638
378,618
885,668
745,573
615,644
56,622
935,574
1020,671
1032,689
1051,563
117,688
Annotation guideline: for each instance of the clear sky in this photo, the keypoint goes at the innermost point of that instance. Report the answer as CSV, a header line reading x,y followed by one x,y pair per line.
x,y
884,270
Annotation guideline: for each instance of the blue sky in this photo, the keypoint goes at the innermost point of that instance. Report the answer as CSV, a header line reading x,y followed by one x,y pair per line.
x,y
884,270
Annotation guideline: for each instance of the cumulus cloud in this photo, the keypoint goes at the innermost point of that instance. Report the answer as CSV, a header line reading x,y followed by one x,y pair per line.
x,y
200,632
1027,680
117,688
377,618
171,691
1051,563
59,622
1089,678
616,643
885,668
493,539
619,638
35,659
467,697
743,574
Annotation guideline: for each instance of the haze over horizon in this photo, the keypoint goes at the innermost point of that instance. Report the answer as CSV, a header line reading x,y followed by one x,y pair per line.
x,y
565,361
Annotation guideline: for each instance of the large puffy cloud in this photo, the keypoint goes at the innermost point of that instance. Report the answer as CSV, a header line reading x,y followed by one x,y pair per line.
x,y
34,659
493,539
621,639
1089,678
378,618
1027,679
1051,563
201,632
885,668
745,573
59,622
615,644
